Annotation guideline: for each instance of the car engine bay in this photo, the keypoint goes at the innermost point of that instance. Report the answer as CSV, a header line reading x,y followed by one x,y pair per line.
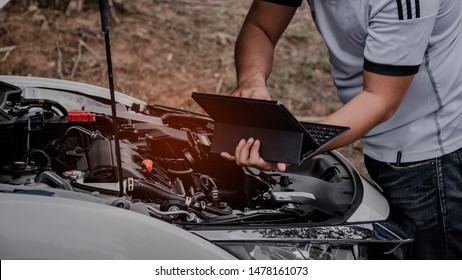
x,y
52,148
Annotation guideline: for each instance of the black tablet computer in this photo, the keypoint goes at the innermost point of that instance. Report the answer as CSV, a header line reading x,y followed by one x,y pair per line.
x,y
283,138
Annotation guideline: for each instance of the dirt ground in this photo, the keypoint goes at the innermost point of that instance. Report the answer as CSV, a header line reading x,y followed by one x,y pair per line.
x,y
163,50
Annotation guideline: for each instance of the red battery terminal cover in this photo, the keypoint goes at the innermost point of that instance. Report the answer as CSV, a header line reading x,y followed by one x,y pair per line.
x,y
80,116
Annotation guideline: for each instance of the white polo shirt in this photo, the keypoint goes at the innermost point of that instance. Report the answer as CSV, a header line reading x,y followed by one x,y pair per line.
x,y
399,37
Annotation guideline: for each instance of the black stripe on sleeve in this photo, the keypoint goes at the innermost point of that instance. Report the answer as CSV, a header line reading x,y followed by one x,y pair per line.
x,y
409,9
417,8
390,70
400,9
291,3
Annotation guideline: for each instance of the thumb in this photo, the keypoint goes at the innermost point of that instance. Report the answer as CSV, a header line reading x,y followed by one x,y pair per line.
x,y
282,166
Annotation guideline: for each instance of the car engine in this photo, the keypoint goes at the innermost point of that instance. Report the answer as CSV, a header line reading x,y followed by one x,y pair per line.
x,y
50,148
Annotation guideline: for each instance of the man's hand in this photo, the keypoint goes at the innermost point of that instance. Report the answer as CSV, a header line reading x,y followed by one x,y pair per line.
x,y
254,50
255,92
247,153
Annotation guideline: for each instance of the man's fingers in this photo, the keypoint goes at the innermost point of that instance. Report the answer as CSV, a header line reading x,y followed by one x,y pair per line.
x,y
254,157
256,92
256,161
227,156
282,166
247,153
238,151
242,158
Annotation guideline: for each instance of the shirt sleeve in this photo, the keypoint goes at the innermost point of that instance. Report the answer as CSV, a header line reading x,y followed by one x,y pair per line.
x,y
292,3
398,35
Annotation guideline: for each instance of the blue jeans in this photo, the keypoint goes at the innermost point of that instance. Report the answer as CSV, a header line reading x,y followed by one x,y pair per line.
x,y
425,196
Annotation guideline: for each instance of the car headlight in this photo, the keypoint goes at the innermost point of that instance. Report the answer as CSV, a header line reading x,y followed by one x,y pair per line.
x,y
295,251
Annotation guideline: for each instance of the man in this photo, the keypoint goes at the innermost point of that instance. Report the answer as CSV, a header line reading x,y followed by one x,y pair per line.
x,y
397,66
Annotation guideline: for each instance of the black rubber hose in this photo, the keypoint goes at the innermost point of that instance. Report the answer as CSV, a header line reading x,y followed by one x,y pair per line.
x,y
40,152
145,189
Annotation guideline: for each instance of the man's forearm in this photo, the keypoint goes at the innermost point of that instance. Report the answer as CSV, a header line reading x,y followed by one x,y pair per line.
x,y
361,114
253,56
374,105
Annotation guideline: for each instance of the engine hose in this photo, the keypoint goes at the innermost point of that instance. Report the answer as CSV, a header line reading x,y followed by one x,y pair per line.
x,y
191,216
91,134
180,172
143,189
54,178
36,151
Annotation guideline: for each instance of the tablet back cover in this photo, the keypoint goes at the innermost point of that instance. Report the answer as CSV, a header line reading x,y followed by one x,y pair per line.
x,y
282,137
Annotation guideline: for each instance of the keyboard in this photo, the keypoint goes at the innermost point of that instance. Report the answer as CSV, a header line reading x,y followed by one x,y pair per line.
x,y
322,133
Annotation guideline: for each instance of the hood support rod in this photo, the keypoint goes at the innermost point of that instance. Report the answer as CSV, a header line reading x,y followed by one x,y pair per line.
x,y
106,27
